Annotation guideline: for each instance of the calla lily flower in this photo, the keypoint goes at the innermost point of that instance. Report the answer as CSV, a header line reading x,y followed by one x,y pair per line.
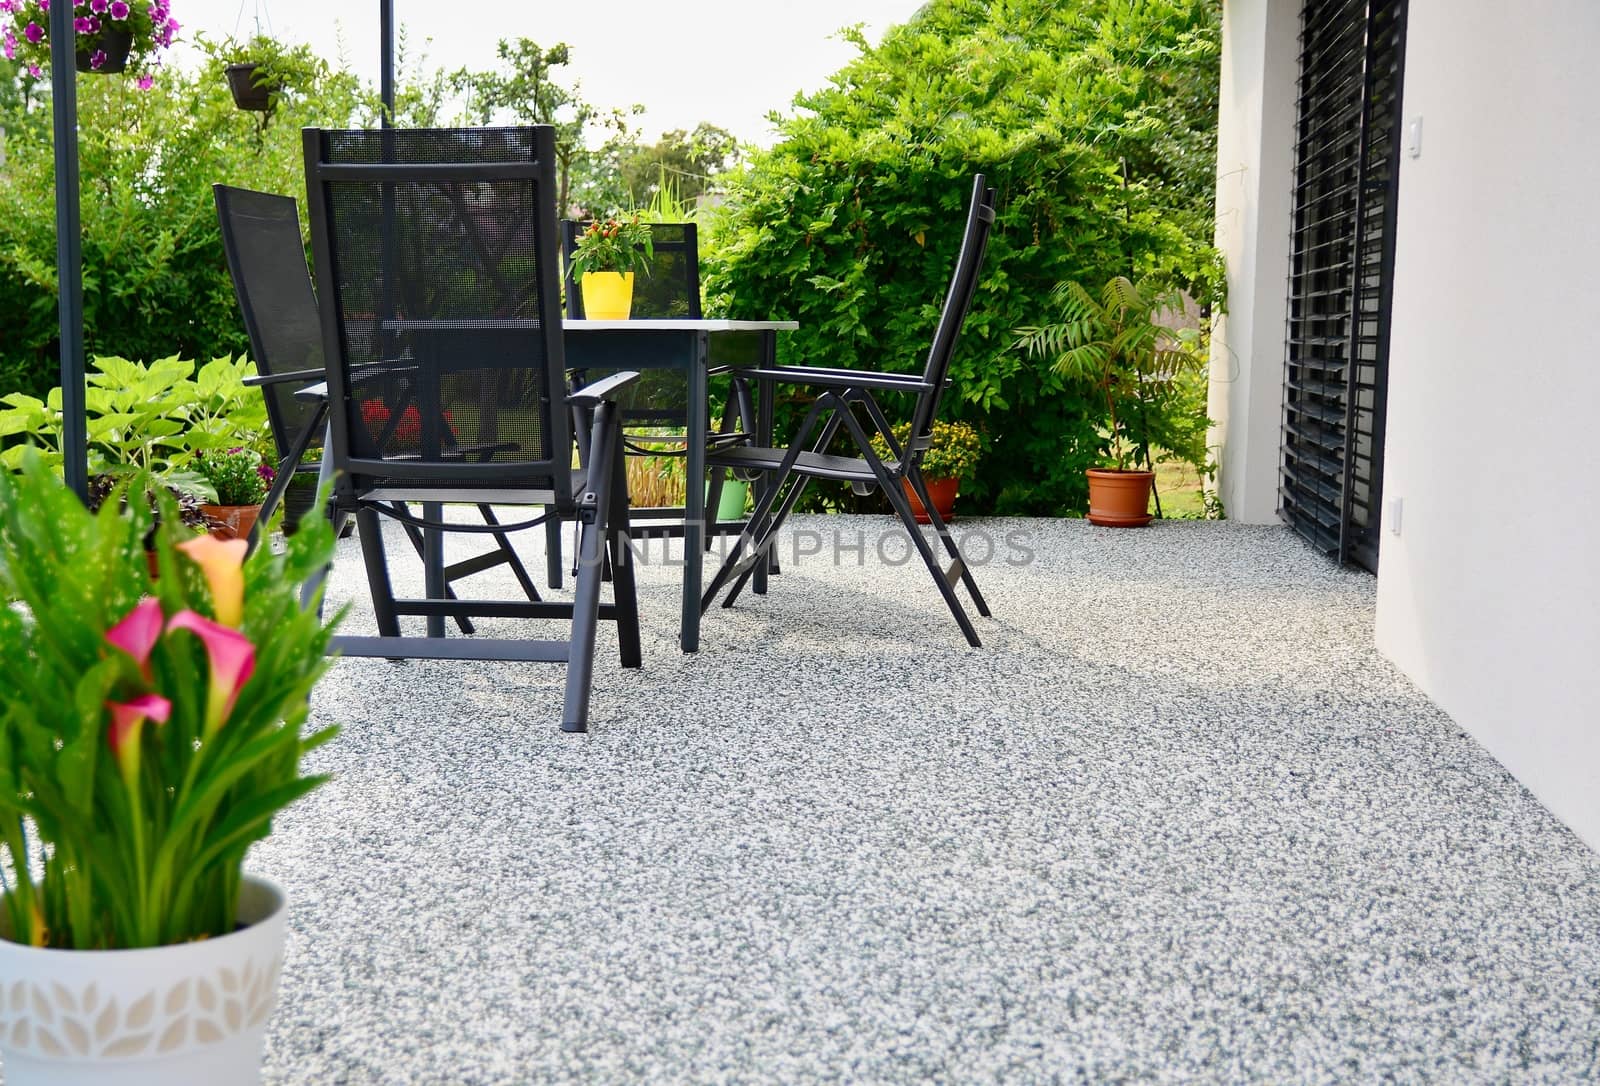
x,y
138,632
222,561
127,725
233,661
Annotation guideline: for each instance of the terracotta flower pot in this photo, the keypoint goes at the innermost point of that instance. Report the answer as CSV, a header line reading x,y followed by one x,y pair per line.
x,y
1119,499
607,296
942,492
231,521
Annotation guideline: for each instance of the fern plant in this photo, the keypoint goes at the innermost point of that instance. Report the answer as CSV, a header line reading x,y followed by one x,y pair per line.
x,y
1115,343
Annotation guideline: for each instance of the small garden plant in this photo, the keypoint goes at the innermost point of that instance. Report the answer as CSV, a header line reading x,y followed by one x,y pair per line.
x,y
614,245
25,37
238,475
952,454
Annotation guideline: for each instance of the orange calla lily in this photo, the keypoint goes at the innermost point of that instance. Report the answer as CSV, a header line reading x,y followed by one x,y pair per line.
x,y
222,561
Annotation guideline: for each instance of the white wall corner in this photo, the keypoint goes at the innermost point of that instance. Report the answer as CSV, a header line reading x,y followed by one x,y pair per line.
x,y
1255,139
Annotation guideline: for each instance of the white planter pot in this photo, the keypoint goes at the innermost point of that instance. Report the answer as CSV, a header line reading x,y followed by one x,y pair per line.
x,y
163,1016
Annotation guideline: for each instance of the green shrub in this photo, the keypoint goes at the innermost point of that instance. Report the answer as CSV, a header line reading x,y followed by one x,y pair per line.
x,y
155,282
1096,123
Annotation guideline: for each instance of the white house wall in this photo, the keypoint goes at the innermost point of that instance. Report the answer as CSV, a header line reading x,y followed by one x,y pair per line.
x,y
1488,598
1254,163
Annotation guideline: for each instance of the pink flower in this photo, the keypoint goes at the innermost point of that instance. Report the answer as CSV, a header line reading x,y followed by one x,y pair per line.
x,y
35,71
127,725
146,82
98,6
138,632
233,661
119,10
34,33
97,59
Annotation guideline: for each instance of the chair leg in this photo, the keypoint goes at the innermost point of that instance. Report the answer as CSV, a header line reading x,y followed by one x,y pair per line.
x,y
552,548
371,531
897,498
592,510
512,558
943,529
769,536
623,587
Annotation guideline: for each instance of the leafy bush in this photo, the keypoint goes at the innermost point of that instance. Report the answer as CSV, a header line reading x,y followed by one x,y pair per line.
x,y
155,282
154,418
1096,123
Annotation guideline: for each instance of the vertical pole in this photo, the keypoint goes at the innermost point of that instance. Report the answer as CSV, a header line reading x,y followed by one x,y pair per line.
x,y
386,59
69,249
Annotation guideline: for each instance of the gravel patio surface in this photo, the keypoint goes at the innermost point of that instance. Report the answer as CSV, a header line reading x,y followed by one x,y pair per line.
x,y
1177,820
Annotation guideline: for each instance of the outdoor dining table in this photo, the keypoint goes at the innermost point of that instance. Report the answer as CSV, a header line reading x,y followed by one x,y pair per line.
x,y
696,348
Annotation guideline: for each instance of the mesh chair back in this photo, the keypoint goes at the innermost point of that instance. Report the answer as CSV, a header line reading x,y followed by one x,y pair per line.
x,y
267,259
437,251
672,289
963,285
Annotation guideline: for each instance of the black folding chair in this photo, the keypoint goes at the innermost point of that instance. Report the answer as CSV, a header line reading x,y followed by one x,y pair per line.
x,y
266,257
841,392
437,250
656,403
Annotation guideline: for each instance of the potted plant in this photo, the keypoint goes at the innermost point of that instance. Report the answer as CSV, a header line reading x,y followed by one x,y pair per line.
x,y
240,478
1116,343
190,513
151,732
262,68
604,261
110,36
951,459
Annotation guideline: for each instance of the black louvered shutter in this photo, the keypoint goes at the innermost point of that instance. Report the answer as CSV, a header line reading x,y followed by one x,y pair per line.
x,y
1340,284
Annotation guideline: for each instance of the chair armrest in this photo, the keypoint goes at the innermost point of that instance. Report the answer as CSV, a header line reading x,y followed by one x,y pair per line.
x,y
312,393
282,378
812,375
594,393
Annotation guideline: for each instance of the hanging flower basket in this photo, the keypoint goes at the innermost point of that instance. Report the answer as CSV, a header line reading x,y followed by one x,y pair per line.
x,y
108,53
109,36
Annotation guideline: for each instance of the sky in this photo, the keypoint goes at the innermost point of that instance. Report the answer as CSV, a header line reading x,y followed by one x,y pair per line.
x,y
727,62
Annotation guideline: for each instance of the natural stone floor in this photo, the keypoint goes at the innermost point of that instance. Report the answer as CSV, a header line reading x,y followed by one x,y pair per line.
x,y
1176,820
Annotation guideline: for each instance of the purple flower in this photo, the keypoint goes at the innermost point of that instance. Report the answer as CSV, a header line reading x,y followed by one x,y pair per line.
x,y
34,33
97,60
8,49
35,71
7,6
44,5
119,10
98,6
82,25
146,82
264,470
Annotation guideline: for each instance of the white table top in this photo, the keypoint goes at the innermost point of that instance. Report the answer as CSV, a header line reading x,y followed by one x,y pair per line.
x,y
679,325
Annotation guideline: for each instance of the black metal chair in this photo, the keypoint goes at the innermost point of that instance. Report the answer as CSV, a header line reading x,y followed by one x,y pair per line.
x,y
656,403
841,392
437,251
266,258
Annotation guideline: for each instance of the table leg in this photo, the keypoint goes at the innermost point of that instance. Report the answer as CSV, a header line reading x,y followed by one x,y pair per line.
x,y
694,513
433,564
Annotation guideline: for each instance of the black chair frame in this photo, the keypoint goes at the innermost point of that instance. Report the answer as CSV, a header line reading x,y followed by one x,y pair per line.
x,y
843,396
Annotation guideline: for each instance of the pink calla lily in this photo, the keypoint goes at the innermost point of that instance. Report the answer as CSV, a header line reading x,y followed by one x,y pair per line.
x,y
139,631
222,561
127,725
233,661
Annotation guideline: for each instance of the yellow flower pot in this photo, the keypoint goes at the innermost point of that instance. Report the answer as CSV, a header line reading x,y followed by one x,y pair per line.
x,y
607,296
